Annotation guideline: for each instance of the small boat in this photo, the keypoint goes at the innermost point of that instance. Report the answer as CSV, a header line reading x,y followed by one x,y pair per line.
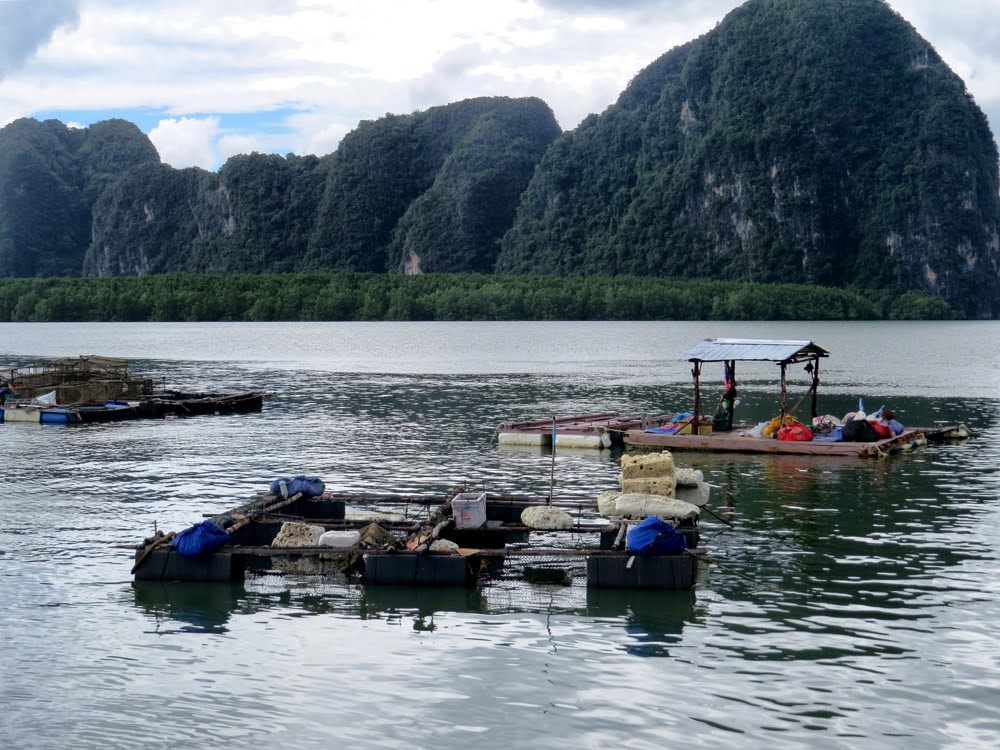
x,y
459,539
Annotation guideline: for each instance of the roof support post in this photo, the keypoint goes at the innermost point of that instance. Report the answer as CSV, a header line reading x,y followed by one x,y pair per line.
x,y
783,398
815,385
696,372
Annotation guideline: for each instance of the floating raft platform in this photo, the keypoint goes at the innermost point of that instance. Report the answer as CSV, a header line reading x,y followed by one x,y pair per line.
x,y
602,430
597,431
500,547
102,389
157,405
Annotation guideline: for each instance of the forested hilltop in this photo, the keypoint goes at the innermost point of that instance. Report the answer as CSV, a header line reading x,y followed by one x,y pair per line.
x,y
816,141
50,178
800,141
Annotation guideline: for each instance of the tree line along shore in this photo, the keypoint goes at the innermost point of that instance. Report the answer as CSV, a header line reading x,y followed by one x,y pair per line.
x,y
354,296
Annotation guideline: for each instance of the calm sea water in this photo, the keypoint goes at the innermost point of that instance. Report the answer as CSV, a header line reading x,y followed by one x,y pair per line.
x,y
855,602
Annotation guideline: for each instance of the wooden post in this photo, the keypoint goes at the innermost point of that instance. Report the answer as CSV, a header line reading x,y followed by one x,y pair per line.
x,y
783,403
696,372
815,386
732,400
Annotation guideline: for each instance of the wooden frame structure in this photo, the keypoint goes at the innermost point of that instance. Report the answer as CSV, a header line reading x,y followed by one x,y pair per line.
x,y
731,351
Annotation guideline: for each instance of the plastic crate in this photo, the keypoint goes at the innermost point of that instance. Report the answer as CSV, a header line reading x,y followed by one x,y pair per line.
x,y
469,509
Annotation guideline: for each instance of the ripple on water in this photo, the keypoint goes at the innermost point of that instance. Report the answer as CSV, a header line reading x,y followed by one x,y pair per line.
x,y
878,629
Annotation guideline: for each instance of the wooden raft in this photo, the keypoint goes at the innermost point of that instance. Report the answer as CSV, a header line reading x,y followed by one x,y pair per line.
x,y
731,442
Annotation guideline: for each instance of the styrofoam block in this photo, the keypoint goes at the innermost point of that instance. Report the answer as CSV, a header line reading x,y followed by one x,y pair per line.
x,y
546,517
296,534
640,505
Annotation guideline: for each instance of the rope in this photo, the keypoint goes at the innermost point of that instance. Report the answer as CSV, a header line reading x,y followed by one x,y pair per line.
x,y
161,539
709,561
730,525
799,402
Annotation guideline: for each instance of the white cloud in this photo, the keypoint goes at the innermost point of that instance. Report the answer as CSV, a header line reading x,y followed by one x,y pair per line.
x,y
26,25
336,62
319,132
231,144
187,142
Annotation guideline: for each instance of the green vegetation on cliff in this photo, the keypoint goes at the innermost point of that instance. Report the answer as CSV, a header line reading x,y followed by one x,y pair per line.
x,y
815,141
436,189
50,177
254,216
433,191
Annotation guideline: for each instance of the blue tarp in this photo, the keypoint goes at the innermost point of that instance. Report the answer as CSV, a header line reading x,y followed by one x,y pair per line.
x,y
654,536
680,421
308,486
201,539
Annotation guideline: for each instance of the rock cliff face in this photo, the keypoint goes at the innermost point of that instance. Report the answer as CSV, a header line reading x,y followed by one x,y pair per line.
x,y
432,191
818,141
50,177
254,215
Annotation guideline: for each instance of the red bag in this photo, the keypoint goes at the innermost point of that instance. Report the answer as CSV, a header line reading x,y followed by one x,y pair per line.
x,y
881,429
795,431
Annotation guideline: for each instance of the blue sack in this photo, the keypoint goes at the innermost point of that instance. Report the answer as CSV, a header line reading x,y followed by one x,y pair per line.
x,y
199,540
308,486
654,536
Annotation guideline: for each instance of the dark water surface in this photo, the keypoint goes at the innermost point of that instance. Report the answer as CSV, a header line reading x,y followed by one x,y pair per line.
x,y
878,626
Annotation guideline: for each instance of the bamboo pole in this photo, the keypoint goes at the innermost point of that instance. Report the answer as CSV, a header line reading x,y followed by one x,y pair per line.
x,y
237,525
526,553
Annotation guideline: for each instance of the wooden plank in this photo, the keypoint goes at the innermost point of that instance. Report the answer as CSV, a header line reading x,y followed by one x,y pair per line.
x,y
731,443
585,424
536,424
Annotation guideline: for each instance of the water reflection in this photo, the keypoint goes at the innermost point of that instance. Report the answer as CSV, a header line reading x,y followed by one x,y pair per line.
x,y
198,608
652,620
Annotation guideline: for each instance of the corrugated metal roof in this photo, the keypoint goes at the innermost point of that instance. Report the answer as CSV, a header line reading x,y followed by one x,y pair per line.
x,y
761,350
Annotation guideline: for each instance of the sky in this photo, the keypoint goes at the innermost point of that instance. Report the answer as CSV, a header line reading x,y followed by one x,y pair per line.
x,y
208,79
